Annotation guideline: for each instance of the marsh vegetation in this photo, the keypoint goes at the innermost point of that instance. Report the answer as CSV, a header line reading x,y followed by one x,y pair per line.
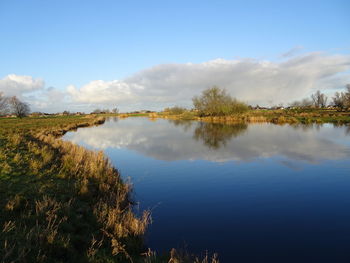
x,y
61,202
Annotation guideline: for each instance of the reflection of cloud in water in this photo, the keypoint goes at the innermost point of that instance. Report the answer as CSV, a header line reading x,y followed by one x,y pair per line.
x,y
219,143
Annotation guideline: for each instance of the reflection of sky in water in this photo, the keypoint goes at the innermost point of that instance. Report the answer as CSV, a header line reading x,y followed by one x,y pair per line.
x,y
203,141
257,193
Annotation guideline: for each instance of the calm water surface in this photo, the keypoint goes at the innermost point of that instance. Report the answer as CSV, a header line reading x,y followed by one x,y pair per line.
x,y
251,193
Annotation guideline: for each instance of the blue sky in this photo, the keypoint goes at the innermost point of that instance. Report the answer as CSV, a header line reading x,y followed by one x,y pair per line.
x,y
75,42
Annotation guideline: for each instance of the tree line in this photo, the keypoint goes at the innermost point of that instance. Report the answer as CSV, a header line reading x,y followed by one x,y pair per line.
x,y
212,102
99,111
215,101
340,100
13,105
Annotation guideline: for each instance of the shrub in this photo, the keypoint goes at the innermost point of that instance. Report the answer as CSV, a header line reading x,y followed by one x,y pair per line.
x,y
176,110
216,102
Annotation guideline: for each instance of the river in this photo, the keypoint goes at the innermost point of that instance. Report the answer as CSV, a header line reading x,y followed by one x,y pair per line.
x,y
249,192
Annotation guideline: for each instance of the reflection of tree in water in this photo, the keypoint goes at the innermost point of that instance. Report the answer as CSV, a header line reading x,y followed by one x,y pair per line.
x,y
215,135
186,124
347,130
306,126
346,126
114,119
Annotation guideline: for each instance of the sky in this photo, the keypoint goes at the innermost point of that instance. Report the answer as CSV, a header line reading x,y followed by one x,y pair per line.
x,y
82,55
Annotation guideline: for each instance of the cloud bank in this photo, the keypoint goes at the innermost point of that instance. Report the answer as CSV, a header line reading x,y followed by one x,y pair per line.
x,y
253,81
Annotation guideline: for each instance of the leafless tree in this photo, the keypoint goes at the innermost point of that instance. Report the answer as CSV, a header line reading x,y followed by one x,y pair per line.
x,y
342,99
19,108
319,99
347,95
339,100
115,110
304,103
3,104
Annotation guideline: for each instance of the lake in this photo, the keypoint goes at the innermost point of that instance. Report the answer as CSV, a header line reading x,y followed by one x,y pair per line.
x,y
250,192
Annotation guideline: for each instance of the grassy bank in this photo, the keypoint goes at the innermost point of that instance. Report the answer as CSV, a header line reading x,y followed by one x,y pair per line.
x,y
272,116
60,202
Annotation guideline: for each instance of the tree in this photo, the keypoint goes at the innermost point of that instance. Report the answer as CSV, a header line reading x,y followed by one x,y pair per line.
x,y
339,100
115,110
347,96
19,108
216,102
319,99
342,99
304,103
3,104
176,110
96,111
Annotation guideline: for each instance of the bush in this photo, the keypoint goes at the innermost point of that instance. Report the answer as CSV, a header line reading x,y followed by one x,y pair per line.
x,y
216,102
176,110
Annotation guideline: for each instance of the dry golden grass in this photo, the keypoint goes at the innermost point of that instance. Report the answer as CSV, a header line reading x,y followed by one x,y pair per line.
x,y
68,188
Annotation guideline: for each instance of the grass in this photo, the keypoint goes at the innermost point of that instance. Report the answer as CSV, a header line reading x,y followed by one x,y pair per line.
x,y
62,203
305,116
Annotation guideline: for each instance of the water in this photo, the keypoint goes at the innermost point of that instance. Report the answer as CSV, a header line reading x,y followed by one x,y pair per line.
x,y
251,193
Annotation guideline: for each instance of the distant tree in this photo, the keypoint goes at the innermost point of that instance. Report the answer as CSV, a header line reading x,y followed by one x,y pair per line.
x,y
19,108
115,110
319,99
216,102
339,100
4,106
347,96
304,103
342,99
97,111
176,110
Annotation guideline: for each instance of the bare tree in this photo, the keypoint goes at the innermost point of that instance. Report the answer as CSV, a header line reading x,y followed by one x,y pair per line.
x,y
115,110
347,96
319,99
19,108
3,104
96,111
342,99
304,103
339,99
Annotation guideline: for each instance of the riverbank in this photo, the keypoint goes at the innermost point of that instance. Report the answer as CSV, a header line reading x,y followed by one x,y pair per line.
x,y
60,202
282,116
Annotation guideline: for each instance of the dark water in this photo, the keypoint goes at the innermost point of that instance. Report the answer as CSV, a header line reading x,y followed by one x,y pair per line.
x,y
251,193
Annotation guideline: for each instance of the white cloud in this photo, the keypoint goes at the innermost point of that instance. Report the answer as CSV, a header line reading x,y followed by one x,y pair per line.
x,y
99,91
253,81
16,85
